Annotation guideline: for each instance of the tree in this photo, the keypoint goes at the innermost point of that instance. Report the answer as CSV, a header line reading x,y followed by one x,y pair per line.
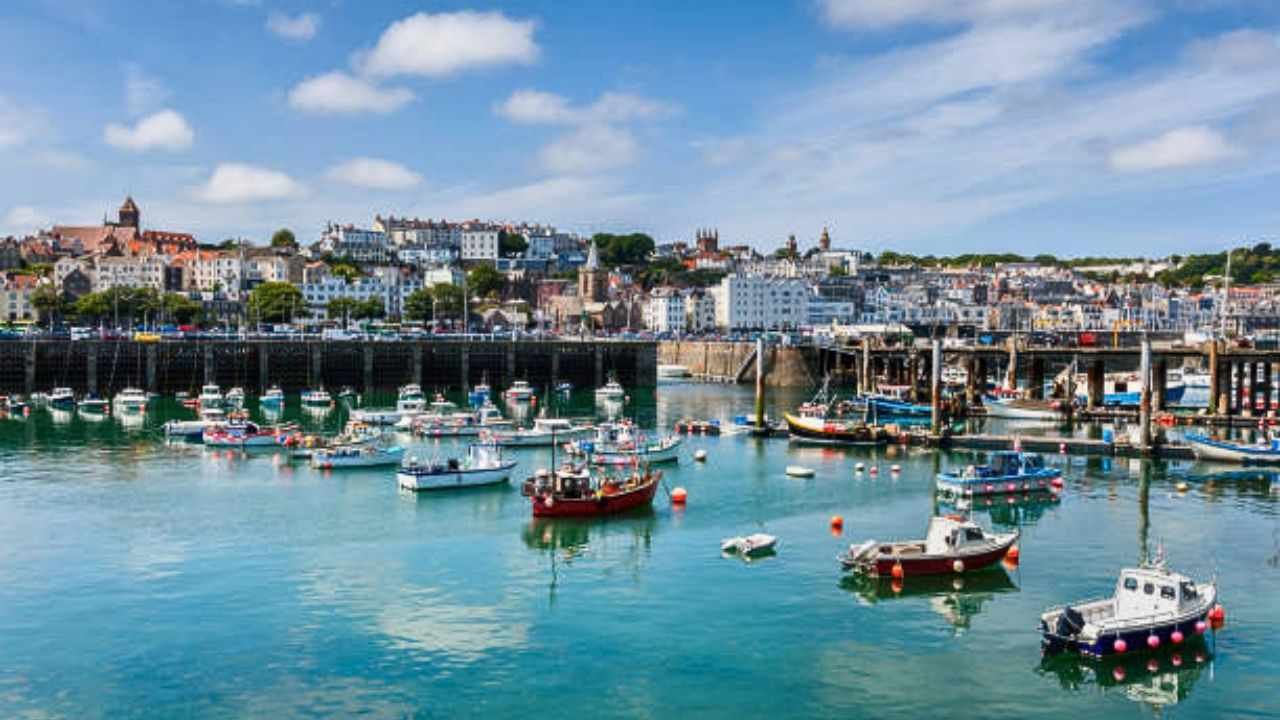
x,y
511,244
632,249
91,307
275,302
348,272
838,271
485,280
180,309
283,238
448,299
48,303
342,308
370,309
417,306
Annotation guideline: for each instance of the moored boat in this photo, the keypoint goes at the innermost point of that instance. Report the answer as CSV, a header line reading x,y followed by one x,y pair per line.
x,y
1151,607
1208,448
673,372
242,435
834,432
575,492
377,416
520,390
62,398
611,390
93,405
749,546
316,399
483,465
624,444
273,398
546,432
210,397
410,400
190,430
130,400
351,456
1008,472
952,544
234,399
698,427
1021,409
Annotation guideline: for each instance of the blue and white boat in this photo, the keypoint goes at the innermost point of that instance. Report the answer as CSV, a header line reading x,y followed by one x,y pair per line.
x,y
1153,607
889,407
1207,448
1008,472
273,398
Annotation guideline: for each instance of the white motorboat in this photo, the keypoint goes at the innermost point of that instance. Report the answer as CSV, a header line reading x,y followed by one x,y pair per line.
x,y
93,405
353,456
612,390
210,397
1205,447
1151,607
483,465
545,432
243,435
799,471
234,398
754,544
520,390
1018,409
377,416
440,405
192,430
316,399
62,398
673,372
272,398
130,400
410,400
623,444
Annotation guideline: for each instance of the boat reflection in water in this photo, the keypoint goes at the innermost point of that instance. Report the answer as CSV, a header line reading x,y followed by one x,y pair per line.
x,y
1157,680
1007,511
566,540
957,598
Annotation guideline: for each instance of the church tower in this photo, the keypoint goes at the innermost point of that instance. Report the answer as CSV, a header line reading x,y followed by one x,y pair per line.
x,y
824,241
129,214
593,282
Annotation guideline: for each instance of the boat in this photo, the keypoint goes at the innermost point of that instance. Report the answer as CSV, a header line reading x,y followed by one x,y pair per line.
x,y
1020,408
564,387
273,398
1009,471
1124,389
13,405
612,390
243,434
93,405
673,372
38,399
480,395
483,465
351,456
440,405
687,426
1151,607
355,433
624,444
190,430
799,471
210,397
130,400
749,546
520,390
1207,448
952,544
573,491
377,416
62,398
316,399
546,432
879,405
348,394
834,432
460,424
234,398
410,400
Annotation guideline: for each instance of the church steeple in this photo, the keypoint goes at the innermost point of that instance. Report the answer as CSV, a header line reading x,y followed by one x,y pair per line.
x,y
129,215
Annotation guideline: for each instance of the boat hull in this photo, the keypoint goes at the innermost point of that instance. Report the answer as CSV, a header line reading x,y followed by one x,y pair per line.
x,y
883,565
594,507
1006,485
536,439
461,478
1206,448
385,458
815,430
666,453
1009,412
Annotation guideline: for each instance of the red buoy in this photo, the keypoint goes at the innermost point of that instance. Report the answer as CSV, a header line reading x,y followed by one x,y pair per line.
x,y
896,572
1153,641
1201,627
1118,673
679,496
1176,637
1120,646
1057,482
837,522
1176,659
1152,665
1013,554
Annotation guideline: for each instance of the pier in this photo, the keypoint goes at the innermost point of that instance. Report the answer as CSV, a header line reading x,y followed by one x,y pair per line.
x,y
106,366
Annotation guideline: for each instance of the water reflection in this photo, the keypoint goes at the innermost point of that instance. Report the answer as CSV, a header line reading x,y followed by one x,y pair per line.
x,y
1153,680
568,540
1008,512
957,598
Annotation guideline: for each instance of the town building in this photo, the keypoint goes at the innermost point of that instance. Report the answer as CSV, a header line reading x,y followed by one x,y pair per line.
x,y
754,302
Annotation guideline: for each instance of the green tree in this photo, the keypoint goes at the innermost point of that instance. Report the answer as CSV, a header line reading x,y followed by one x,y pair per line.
x,y
417,306
283,238
485,280
838,271
371,309
448,298
347,271
631,249
342,308
91,307
180,309
275,302
48,303
511,244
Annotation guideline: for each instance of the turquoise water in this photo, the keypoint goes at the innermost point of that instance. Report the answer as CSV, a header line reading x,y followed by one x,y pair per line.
x,y
139,579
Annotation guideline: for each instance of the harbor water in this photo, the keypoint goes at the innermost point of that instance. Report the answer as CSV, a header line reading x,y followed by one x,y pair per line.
x,y
146,579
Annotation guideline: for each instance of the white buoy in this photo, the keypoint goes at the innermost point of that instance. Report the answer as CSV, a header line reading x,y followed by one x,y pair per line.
x,y
859,467
700,456
896,469
798,471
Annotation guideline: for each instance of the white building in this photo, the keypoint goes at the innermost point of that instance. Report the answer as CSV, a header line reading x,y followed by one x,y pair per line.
x,y
753,302
699,311
212,270
15,298
132,271
664,312
479,242
359,244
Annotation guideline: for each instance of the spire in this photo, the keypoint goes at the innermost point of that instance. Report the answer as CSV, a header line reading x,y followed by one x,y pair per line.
x,y
593,257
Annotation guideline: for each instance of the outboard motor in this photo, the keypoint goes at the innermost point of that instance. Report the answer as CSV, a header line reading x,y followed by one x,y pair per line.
x,y
1070,622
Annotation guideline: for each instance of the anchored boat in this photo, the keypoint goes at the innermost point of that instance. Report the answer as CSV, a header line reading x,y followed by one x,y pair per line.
x,y
62,399
1207,448
612,390
352,456
483,465
951,545
623,444
1020,409
244,434
1151,607
272,398
834,432
520,390
1009,472
130,400
574,491
546,432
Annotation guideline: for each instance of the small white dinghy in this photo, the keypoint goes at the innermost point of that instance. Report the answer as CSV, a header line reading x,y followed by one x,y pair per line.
x,y
754,544
799,471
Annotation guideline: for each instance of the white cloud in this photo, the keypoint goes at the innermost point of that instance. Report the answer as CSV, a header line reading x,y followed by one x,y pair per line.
x,y
240,183
589,148
338,92
60,159
572,200
537,107
446,43
374,173
302,27
142,92
879,14
1239,49
24,219
1183,147
165,130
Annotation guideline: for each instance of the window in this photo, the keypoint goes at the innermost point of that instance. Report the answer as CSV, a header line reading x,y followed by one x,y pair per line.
x,y
1148,588
1168,593
1130,584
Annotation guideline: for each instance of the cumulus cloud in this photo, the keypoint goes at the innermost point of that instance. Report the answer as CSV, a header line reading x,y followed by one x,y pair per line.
x,y
445,43
338,92
241,183
589,148
1183,147
301,27
374,173
165,130
536,107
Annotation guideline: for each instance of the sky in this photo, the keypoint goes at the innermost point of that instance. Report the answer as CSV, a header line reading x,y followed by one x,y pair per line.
x,y
1075,127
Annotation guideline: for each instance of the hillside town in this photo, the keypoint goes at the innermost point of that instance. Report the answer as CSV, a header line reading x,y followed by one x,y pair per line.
x,y
527,276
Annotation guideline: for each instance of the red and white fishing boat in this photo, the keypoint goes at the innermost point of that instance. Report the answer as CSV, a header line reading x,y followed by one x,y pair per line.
x,y
573,491
953,545
246,435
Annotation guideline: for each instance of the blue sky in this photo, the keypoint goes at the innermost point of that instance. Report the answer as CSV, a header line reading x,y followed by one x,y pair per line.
x,y
1068,126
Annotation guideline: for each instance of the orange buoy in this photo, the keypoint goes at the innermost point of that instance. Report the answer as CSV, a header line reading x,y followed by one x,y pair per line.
x,y
837,522
1153,665
1013,554
896,584
896,572
679,496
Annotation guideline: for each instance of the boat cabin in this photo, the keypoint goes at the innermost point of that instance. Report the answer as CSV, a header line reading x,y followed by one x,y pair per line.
x,y
552,424
950,533
1015,463
1153,590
